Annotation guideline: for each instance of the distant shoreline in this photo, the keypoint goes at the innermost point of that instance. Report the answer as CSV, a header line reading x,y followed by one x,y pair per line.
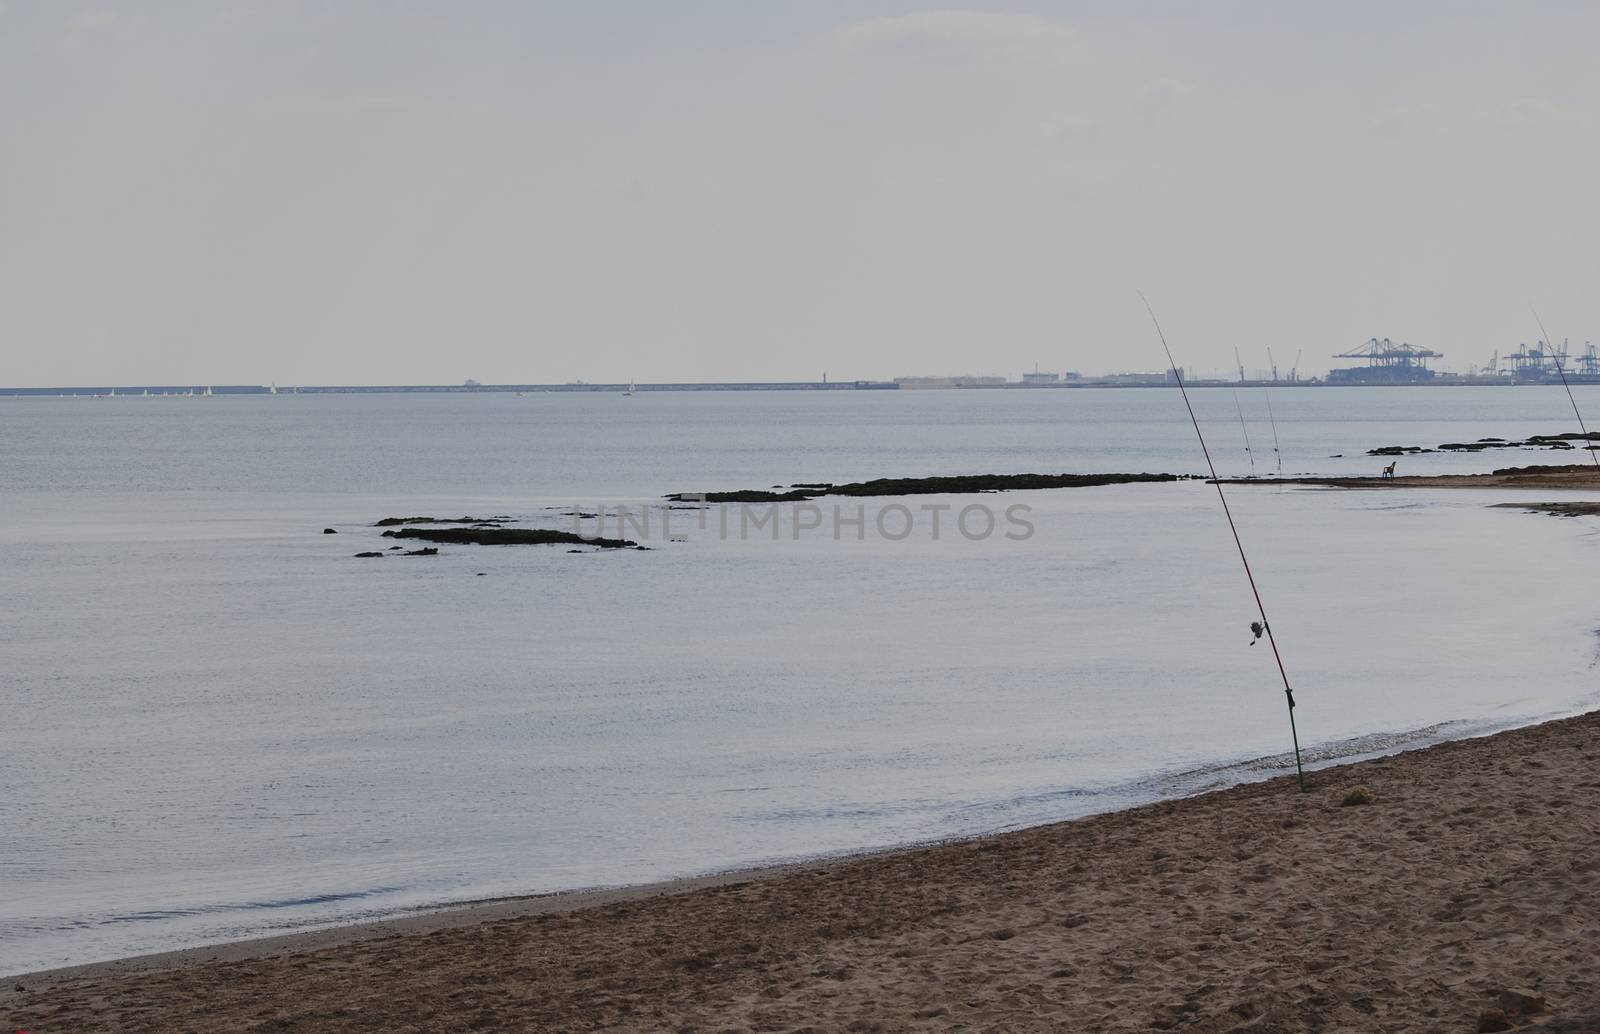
x,y
176,391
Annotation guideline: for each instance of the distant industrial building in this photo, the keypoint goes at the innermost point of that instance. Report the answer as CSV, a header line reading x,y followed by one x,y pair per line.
x,y
1387,363
1134,380
963,381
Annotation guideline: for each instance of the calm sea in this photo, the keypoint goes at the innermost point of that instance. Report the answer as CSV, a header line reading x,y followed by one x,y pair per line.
x,y
217,723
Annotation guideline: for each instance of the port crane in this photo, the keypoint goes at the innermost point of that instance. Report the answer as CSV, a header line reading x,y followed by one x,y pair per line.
x,y
1294,371
1386,353
1273,365
1387,363
1240,364
1536,362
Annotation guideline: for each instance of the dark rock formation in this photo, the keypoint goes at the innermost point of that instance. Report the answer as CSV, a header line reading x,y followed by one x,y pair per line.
x,y
329,531
389,522
956,485
1562,509
480,536
368,554
424,551
1565,468
1538,441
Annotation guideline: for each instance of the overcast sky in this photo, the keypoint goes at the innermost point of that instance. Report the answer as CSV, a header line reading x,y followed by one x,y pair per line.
x,y
724,190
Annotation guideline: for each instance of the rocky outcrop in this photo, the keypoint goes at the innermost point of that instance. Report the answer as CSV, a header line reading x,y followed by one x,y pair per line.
x,y
1538,441
1561,509
494,536
390,522
954,485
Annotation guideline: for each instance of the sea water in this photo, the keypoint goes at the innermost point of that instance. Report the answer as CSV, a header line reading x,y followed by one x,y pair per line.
x,y
215,722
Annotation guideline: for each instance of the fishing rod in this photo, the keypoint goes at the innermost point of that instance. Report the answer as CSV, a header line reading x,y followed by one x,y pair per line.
x,y
1275,450
1300,772
1593,455
1245,429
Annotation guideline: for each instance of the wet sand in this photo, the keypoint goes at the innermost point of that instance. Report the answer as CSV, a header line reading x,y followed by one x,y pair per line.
x,y
1473,870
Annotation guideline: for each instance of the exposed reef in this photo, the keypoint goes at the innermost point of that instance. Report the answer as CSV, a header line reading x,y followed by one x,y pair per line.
x,y
1564,509
1538,441
495,536
961,484
390,522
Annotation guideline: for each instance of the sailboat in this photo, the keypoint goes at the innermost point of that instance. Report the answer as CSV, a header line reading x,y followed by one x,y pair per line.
x,y
273,389
631,388
208,391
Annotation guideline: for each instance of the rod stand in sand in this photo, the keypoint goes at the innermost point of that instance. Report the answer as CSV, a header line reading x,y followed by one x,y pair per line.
x,y
1288,694
1294,734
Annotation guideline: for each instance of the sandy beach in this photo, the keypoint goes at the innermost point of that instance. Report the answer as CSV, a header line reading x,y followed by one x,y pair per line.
x,y
1472,872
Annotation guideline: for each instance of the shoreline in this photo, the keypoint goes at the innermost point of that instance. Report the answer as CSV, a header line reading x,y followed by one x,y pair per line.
x,y
1471,873
427,918
1187,784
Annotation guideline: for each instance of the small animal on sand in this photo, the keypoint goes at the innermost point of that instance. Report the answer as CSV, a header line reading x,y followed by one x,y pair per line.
x,y
1388,471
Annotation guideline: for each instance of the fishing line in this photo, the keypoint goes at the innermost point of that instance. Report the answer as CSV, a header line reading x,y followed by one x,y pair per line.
x,y
1242,427
1300,773
1593,455
1266,394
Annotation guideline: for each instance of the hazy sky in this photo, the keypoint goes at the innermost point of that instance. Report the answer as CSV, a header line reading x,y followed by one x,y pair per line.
x,y
703,190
